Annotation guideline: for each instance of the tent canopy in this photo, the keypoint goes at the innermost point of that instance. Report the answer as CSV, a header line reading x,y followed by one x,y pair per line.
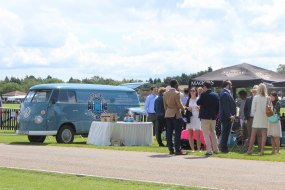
x,y
13,93
241,75
279,84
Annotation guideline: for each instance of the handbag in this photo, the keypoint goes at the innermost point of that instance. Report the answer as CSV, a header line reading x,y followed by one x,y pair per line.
x,y
268,110
186,114
274,118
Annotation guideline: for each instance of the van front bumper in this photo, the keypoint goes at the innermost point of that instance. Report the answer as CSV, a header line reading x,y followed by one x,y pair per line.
x,y
35,133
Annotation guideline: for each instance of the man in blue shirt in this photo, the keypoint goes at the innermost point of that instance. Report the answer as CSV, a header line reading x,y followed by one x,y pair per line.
x,y
185,96
149,107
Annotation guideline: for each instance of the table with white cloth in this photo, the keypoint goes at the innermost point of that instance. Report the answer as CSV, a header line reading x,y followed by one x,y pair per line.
x,y
130,133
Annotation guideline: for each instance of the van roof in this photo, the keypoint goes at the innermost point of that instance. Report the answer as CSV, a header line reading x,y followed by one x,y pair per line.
x,y
80,86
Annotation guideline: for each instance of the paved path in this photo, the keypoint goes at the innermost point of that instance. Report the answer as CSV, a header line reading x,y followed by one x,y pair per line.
x,y
186,170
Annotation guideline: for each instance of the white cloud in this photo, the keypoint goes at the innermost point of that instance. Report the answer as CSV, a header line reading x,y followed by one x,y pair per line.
x,y
130,39
260,45
266,15
11,28
208,4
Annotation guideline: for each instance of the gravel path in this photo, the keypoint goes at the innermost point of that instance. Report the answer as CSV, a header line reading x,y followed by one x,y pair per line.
x,y
186,170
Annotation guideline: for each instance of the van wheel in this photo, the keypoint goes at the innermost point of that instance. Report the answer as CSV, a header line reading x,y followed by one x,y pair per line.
x,y
65,135
36,139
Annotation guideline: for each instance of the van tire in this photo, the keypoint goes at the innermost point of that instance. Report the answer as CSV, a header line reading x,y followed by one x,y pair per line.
x,y
65,135
36,139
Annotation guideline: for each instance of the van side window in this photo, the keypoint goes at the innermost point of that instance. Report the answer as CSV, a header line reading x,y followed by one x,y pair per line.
x,y
68,96
71,96
41,96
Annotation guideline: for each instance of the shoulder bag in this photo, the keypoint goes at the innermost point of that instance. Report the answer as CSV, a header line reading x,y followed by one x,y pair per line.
x,y
268,110
187,113
274,118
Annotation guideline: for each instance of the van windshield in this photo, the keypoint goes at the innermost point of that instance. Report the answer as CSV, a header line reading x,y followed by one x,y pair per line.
x,y
38,96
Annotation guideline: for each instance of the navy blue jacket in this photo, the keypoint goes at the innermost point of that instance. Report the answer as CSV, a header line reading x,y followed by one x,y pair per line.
x,y
158,106
227,106
209,105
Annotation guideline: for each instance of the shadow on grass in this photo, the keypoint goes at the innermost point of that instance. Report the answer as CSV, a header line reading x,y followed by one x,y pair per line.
x,y
197,157
242,149
43,144
79,142
161,156
28,143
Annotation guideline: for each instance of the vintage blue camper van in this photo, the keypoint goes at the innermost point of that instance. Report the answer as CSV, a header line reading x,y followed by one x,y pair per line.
x,y
64,110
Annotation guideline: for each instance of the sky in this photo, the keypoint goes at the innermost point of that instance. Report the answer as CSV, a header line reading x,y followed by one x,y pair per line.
x,y
137,39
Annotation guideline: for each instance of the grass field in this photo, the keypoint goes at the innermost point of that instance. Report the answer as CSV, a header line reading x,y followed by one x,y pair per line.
x,y
35,180
282,110
11,105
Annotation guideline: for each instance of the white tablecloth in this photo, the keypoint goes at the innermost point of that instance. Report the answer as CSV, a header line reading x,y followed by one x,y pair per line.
x,y
131,133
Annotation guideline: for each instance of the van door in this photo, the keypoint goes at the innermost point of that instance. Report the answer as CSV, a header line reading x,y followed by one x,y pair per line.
x,y
33,115
71,111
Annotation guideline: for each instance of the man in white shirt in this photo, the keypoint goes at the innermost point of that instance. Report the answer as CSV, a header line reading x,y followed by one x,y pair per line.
x,y
149,107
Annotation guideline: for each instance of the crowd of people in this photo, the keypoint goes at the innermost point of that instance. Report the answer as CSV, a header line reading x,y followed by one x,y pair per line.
x,y
199,109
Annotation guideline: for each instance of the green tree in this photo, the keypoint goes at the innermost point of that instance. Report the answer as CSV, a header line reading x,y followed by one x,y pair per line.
x,y
210,69
72,80
15,80
7,79
10,87
281,69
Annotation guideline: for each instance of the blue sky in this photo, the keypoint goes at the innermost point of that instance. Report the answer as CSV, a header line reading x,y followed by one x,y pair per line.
x,y
137,39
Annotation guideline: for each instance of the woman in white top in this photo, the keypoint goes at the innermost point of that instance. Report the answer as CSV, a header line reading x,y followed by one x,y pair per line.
x,y
260,121
195,123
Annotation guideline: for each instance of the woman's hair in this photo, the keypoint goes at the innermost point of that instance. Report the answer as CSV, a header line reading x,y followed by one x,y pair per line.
x,y
242,94
274,94
262,90
161,90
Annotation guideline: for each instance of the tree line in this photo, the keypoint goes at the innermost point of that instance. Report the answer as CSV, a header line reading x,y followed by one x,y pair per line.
x,y
13,83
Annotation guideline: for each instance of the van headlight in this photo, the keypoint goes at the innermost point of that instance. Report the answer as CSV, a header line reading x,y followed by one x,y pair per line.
x,y
38,119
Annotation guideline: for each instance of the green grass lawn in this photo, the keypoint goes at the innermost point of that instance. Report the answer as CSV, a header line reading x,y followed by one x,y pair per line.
x,y
34,180
9,137
282,110
11,105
